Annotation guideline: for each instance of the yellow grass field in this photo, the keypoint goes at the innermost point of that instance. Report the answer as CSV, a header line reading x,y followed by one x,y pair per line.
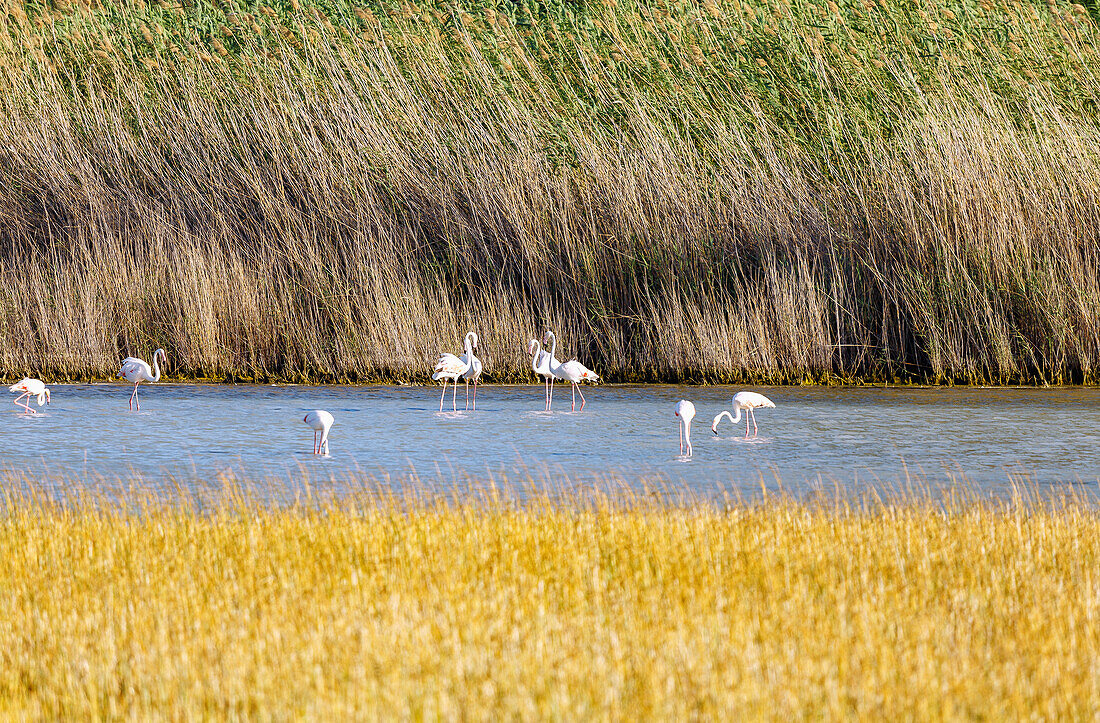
x,y
489,607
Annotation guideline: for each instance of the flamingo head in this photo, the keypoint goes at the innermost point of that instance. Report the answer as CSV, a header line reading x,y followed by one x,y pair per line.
x,y
532,346
47,393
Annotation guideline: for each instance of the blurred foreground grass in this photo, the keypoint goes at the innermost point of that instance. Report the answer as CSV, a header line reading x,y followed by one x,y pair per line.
x,y
490,607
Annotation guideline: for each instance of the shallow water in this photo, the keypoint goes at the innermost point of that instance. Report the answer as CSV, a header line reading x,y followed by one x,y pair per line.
x,y
814,436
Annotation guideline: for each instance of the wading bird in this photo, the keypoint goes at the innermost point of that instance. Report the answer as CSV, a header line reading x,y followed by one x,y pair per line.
x,y
321,421
540,362
30,388
747,401
685,410
137,371
571,371
474,371
452,367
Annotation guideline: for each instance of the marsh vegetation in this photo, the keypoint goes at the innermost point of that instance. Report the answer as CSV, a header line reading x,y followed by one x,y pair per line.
x,y
577,606
722,190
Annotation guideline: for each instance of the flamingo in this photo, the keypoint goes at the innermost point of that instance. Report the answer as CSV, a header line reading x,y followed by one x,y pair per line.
x,y
321,421
30,388
137,371
452,367
748,401
540,362
473,372
572,371
685,410
551,363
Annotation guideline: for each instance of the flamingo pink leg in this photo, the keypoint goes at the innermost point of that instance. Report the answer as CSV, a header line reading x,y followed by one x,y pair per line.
x,y
441,397
574,407
467,395
681,438
747,424
475,395
454,393
755,431
133,398
546,393
578,388
24,404
550,399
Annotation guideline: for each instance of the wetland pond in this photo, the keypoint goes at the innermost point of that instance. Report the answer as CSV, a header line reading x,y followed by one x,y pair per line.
x,y
190,434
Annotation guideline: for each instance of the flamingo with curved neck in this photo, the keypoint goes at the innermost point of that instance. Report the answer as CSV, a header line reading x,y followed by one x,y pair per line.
x,y
137,371
31,388
540,362
571,371
747,401
474,371
685,410
452,367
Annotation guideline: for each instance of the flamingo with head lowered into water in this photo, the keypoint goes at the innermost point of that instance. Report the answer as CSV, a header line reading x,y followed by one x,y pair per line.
x,y
321,422
747,401
685,410
30,388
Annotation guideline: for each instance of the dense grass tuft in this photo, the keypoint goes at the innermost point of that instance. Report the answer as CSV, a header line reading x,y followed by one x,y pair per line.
x,y
722,190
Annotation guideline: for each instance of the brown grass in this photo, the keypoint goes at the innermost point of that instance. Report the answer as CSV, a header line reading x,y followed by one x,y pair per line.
x,y
731,191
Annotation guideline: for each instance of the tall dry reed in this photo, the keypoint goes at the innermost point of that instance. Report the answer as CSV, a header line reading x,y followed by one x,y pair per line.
x,y
724,191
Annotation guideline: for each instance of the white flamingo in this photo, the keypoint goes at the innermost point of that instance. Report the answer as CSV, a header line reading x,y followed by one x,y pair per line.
x,y
452,367
474,371
137,371
540,362
321,421
571,371
685,410
30,388
747,401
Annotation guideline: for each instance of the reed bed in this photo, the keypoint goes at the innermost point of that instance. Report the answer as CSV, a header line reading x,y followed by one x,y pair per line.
x,y
766,190
589,606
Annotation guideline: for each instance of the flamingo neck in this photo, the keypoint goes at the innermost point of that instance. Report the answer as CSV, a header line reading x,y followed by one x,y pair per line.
x,y
553,346
714,424
735,418
156,365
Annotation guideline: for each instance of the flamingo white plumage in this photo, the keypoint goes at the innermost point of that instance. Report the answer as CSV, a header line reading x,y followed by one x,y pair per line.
x,y
571,371
452,367
321,421
747,401
137,371
540,362
474,371
685,410
30,388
